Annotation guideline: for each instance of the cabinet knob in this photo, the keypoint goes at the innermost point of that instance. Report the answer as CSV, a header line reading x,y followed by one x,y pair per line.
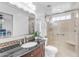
x,y
31,55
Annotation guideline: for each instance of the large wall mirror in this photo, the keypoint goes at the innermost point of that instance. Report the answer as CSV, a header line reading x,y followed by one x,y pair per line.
x,y
6,25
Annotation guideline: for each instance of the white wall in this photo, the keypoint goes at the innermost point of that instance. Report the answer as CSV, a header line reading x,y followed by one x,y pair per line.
x,y
20,26
41,25
20,18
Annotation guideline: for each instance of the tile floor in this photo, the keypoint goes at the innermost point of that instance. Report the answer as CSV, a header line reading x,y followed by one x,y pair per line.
x,y
63,50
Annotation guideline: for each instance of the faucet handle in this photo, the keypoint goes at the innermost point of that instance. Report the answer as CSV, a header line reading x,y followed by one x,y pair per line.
x,y
27,40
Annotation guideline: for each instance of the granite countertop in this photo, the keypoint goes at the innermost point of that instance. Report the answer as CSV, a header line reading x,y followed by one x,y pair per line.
x,y
19,51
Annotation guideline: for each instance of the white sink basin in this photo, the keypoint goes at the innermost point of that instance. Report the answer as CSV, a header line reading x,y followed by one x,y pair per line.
x,y
29,45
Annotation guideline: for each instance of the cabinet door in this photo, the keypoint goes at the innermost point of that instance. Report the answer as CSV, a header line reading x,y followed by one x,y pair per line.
x,y
38,52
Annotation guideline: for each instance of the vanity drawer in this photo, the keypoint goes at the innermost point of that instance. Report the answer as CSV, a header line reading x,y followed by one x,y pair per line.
x,y
39,52
33,53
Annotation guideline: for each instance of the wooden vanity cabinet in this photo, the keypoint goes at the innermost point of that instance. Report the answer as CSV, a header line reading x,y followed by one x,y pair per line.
x,y
38,52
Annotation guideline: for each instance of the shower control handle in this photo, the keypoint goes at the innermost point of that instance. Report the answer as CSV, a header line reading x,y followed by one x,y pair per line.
x,y
60,34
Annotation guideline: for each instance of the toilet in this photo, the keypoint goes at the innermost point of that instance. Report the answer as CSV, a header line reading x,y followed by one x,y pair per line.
x,y
50,51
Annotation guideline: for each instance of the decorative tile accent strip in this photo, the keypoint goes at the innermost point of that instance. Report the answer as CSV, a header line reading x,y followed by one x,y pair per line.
x,y
3,45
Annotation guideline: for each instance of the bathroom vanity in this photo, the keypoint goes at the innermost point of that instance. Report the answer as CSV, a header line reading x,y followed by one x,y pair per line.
x,y
38,51
16,50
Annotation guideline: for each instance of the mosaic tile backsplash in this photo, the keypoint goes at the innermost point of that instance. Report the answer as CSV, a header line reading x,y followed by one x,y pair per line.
x,y
14,42
6,44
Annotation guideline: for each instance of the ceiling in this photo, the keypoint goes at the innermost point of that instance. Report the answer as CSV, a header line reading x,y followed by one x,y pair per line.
x,y
55,7
47,7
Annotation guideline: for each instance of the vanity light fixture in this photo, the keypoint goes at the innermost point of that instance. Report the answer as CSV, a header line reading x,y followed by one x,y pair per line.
x,y
27,6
